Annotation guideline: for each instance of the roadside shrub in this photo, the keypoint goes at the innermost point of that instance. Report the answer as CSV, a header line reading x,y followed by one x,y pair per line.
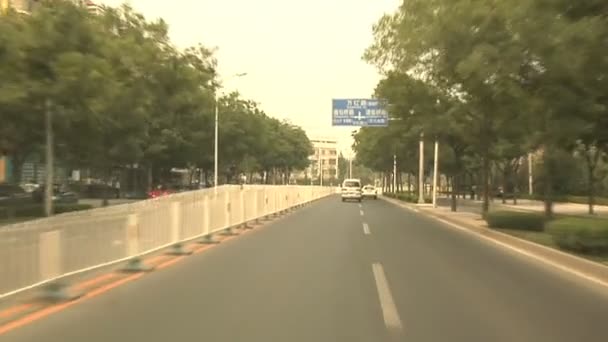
x,y
515,220
37,210
567,199
580,234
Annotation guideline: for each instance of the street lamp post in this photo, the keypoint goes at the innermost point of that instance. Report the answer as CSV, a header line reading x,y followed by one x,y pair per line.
x,y
216,144
435,171
421,171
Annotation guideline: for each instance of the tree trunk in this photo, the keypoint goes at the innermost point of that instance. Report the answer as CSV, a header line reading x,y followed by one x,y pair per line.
x,y
454,204
548,180
591,190
409,182
383,183
150,180
592,155
514,181
106,193
505,177
486,182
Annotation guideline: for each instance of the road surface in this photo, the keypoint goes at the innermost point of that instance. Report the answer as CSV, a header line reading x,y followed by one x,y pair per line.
x,y
336,271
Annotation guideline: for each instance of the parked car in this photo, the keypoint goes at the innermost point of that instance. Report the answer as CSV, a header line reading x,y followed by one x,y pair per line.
x,y
99,191
30,187
160,191
370,191
61,194
14,195
351,190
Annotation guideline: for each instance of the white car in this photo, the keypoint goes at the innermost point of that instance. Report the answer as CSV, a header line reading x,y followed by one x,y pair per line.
x,y
369,191
351,190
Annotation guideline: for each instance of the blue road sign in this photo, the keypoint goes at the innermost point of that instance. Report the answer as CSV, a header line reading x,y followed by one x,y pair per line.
x,y
359,112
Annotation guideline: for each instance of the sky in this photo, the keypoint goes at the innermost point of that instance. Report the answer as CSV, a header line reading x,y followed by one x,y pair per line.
x,y
298,55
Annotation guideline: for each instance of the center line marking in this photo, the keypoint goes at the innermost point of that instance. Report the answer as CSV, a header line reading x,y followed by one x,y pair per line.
x,y
389,310
361,212
366,229
360,205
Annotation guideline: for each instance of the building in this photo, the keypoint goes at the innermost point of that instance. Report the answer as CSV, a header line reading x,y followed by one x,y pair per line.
x,y
92,7
24,6
323,162
4,174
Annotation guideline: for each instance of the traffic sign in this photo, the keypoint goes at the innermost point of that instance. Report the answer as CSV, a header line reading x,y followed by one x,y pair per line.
x,y
359,112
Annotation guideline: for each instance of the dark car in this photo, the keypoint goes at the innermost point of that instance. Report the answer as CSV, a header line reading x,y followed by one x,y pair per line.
x,y
61,194
100,191
13,195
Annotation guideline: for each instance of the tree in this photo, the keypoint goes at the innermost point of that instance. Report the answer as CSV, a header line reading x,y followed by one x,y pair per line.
x,y
505,79
123,94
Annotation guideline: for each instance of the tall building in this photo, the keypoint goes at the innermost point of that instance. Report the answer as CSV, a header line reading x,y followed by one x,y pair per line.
x,y
323,162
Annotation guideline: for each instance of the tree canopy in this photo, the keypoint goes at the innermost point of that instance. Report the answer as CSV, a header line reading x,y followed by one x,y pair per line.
x,y
121,94
495,80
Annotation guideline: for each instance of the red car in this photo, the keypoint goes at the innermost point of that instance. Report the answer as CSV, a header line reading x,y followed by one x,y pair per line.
x,y
159,192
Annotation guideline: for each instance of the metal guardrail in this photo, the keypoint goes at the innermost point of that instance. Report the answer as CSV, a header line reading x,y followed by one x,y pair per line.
x,y
43,251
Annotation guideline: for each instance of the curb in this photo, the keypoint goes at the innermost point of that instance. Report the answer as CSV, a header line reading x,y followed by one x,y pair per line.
x,y
575,265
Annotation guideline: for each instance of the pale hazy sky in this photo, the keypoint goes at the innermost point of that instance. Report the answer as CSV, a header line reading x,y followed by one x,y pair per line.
x,y
298,54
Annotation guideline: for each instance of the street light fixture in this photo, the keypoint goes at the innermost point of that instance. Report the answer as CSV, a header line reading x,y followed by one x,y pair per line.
x,y
216,144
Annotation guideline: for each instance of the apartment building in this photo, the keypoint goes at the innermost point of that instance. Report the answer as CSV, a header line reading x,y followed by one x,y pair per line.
x,y
323,162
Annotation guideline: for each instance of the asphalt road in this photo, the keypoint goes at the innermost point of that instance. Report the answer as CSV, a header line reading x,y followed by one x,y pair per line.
x,y
320,275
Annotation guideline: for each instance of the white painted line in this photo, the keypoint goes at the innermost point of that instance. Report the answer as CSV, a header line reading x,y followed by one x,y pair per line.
x,y
360,205
389,310
361,212
366,230
528,254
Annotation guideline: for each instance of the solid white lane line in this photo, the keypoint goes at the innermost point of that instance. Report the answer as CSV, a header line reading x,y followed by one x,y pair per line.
x,y
561,267
366,229
361,212
389,310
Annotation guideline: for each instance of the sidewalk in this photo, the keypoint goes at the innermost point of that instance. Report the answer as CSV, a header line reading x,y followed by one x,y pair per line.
x,y
473,223
524,204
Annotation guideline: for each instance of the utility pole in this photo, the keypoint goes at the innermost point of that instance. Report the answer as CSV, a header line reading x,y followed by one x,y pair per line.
x,y
421,171
216,143
350,167
435,170
48,191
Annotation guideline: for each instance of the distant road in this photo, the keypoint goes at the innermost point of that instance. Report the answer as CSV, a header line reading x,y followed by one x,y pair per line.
x,y
95,202
336,271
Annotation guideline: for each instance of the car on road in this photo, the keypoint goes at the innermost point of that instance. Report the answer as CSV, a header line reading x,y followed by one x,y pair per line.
x,y
160,191
370,191
14,195
61,194
351,190
99,190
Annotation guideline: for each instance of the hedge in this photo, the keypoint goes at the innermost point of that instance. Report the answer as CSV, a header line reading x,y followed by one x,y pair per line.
x,y
515,220
407,197
579,234
37,210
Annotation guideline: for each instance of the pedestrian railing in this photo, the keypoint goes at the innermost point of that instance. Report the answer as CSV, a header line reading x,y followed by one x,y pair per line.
x,y
43,251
